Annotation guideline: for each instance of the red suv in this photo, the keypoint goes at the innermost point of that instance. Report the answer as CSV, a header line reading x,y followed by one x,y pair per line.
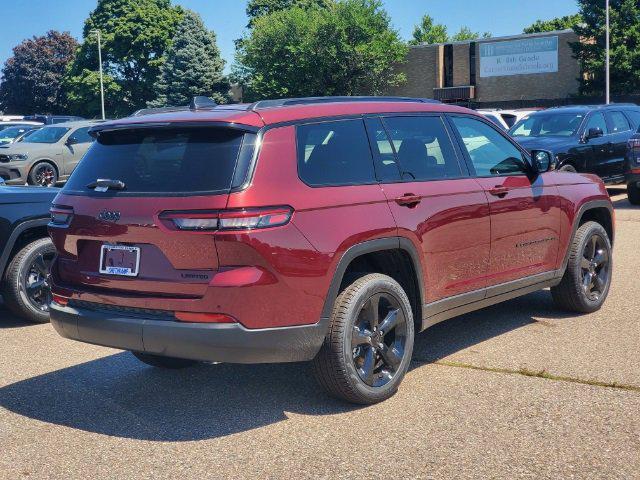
x,y
323,229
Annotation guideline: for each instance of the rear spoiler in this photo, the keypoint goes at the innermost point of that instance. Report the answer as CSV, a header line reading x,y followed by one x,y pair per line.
x,y
97,129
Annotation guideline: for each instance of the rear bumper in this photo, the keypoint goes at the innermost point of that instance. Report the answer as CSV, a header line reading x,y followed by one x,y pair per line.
x,y
229,343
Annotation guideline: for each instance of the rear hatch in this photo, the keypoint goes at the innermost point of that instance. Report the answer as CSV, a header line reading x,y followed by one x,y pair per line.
x,y
137,216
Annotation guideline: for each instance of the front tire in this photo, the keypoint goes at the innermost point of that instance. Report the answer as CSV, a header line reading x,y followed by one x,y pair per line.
x,y
633,194
26,283
43,174
368,347
587,278
159,361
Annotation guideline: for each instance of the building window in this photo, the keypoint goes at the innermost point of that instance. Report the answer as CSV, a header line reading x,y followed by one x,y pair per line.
x,y
448,65
472,63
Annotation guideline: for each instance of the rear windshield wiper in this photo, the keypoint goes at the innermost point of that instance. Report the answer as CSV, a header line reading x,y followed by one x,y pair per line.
x,y
104,184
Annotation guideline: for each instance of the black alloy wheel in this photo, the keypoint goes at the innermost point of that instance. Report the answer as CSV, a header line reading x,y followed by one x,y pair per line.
x,y
587,278
595,267
367,349
378,339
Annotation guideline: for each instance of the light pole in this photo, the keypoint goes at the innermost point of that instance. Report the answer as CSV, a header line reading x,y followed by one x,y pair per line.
x,y
97,32
606,41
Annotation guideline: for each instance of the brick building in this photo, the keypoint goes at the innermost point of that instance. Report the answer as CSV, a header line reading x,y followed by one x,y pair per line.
x,y
502,71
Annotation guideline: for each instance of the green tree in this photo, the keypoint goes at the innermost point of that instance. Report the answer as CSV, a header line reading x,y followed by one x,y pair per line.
x,y
560,23
348,48
193,66
465,33
624,46
259,8
135,37
429,32
32,77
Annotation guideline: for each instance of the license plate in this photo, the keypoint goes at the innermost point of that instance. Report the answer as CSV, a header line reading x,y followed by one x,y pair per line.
x,y
119,260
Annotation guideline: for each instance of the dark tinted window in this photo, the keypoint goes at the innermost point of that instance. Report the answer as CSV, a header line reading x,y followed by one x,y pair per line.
x,y
383,155
490,153
81,135
634,115
596,120
176,160
423,148
619,122
334,153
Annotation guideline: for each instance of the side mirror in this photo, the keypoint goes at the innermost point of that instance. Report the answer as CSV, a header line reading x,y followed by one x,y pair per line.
x,y
71,141
543,160
594,132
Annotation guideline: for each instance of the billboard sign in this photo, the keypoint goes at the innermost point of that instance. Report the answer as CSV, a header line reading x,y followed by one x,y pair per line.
x,y
519,57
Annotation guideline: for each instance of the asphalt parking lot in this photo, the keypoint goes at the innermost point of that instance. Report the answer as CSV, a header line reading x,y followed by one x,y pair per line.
x,y
514,390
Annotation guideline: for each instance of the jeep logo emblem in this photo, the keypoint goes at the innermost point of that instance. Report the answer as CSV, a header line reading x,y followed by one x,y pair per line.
x,y
107,216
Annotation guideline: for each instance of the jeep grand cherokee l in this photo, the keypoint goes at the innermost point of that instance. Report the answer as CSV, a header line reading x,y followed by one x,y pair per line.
x,y
323,229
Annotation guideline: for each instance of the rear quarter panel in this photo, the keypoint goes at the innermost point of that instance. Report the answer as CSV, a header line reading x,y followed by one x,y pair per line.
x,y
326,222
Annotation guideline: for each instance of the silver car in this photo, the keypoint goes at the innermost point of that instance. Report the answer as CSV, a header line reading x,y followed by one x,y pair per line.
x,y
46,156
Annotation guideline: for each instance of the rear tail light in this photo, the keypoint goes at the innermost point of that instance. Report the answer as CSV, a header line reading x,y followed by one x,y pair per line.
x,y
224,220
204,317
63,301
61,216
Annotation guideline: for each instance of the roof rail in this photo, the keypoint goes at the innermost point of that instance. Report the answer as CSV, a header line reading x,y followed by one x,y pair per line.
x,y
610,105
285,102
150,111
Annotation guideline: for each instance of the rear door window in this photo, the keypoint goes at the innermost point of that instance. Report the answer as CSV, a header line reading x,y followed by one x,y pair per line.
x,y
334,153
618,122
81,135
423,148
162,160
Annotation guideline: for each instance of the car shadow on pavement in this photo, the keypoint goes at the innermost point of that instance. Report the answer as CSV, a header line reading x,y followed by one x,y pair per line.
x,y
451,336
118,396
9,320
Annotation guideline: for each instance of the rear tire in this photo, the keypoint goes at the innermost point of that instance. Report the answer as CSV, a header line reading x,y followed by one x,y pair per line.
x,y
26,289
585,284
568,168
633,194
368,347
159,361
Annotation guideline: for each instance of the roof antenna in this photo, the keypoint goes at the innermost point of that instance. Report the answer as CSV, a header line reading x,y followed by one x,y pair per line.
x,y
199,102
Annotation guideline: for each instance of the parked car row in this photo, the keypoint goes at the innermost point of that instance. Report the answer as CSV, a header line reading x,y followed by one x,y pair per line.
x,y
598,139
45,155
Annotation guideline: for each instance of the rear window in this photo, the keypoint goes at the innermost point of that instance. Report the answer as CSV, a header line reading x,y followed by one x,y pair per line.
x,y
163,160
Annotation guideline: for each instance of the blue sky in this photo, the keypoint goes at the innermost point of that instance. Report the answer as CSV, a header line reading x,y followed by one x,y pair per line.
x,y
25,18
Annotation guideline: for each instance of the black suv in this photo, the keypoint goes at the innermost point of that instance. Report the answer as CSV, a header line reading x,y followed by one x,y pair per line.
x,y
26,252
586,138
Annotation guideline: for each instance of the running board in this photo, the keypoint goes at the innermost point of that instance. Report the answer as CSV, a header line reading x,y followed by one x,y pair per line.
x,y
447,308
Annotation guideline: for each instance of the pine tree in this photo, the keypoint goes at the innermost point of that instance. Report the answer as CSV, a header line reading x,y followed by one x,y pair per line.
x,y
193,66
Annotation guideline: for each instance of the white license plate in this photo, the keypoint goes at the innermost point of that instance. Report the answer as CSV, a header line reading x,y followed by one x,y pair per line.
x,y
119,260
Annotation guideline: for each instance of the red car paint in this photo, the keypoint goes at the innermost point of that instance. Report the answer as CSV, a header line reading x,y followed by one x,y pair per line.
x,y
468,235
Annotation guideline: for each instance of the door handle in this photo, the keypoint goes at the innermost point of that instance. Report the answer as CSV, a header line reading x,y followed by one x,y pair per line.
x,y
499,191
408,200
